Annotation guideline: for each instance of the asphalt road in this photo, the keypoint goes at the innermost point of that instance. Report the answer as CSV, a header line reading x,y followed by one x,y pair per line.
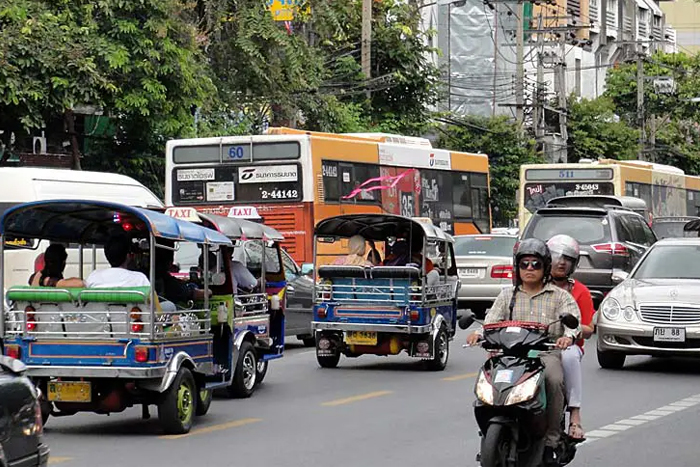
x,y
375,411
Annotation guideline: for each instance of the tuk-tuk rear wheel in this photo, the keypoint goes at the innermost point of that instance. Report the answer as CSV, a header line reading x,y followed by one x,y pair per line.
x,y
176,410
441,351
245,374
204,398
261,372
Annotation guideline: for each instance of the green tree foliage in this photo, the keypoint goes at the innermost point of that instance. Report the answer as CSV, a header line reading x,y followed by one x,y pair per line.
x,y
507,150
595,131
136,61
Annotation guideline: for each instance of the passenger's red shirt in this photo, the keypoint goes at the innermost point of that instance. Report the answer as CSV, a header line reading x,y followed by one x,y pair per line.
x,y
585,305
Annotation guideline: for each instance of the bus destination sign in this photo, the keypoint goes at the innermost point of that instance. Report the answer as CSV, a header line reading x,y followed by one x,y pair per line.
x,y
544,175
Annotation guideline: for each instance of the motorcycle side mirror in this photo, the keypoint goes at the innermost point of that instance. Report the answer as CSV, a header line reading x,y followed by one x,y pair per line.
x,y
569,320
466,320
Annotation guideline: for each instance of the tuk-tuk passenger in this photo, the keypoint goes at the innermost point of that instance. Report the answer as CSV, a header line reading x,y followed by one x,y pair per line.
x,y
242,277
51,273
171,287
356,253
118,253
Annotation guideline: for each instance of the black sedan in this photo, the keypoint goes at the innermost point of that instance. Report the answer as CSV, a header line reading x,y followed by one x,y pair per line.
x,y
21,427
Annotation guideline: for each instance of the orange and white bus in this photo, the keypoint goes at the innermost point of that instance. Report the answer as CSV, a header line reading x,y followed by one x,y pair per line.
x,y
667,190
292,179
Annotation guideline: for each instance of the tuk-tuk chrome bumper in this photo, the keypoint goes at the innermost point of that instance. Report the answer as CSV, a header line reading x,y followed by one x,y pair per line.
x,y
395,328
56,371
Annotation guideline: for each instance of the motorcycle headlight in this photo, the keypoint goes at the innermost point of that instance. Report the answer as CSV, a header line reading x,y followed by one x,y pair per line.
x,y
611,309
484,390
524,391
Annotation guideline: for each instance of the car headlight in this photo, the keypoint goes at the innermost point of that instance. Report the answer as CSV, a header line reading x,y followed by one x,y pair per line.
x,y
484,390
628,313
524,391
611,309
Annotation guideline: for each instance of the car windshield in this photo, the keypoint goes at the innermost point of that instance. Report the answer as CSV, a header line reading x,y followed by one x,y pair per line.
x,y
670,262
587,230
484,245
672,230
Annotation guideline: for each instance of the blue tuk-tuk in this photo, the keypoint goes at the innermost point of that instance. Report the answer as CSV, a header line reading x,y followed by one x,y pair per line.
x,y
257,319
106,349
407,301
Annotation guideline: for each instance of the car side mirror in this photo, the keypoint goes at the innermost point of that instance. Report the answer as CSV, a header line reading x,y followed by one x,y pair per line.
x,y
619,275
307,269
466,320
569,320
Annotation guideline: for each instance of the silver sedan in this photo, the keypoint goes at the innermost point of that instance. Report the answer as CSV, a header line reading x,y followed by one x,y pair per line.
x,y
656,309
485,266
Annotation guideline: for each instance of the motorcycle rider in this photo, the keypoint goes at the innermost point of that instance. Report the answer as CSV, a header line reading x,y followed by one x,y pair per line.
x,y
565,257
534,299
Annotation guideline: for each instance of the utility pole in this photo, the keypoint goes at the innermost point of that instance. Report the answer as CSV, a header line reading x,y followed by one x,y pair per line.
x,y
367,41
640,102
520,66
495,57
562,99
539,101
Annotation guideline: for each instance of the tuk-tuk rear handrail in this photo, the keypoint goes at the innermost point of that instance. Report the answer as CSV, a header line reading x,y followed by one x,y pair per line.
x,y
110,292
383,294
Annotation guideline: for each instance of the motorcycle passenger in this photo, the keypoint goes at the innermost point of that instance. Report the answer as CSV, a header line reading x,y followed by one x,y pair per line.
x,y
565,257
534,299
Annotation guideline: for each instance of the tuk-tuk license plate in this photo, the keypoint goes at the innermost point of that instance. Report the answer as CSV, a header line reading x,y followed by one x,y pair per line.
x,y
669,334
361,338
73,391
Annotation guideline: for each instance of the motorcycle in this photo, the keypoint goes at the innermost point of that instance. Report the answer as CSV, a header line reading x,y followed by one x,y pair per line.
x,y
511,397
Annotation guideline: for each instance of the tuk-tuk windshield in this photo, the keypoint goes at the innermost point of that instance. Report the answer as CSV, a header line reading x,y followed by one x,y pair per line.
x,y
253,256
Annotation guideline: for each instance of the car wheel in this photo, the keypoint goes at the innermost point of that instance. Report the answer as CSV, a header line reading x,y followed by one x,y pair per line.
x,y
309,341
479,311
610,359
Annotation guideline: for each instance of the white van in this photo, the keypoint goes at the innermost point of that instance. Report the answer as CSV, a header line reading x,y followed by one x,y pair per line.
x,y
25,184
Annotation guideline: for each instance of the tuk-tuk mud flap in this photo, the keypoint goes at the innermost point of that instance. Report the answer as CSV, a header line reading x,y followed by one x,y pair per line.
x,y
327,346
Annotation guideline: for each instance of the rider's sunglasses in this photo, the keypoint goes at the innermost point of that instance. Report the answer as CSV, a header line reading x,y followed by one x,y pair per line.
x,y
533,264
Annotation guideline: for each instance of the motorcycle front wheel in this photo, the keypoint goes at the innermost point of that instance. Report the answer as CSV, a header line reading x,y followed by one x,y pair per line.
x,y
495,446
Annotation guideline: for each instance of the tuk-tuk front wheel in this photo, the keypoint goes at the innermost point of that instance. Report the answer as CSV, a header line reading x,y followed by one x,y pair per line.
x,y
179,405
245,374
441,351
204,398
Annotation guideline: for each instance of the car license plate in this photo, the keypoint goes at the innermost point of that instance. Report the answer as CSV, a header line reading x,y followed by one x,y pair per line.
x,y
74,391
471,272
669,334
361,338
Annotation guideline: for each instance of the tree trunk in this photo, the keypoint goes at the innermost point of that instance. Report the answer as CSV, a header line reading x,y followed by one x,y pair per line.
x,y
69,120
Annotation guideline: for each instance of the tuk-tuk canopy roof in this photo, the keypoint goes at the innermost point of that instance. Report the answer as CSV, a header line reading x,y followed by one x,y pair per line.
x,y
692,226
236,228
379,227
93,222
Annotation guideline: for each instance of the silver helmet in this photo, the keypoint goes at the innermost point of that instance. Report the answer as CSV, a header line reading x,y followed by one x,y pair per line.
x,y
563,247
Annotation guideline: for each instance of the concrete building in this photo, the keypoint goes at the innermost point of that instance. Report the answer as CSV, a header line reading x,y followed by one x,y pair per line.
x,y
684,15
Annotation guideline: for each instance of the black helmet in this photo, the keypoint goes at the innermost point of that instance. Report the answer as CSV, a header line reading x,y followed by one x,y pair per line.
x,y
532,247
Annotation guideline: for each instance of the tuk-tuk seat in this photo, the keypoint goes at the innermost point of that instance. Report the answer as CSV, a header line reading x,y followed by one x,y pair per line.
x,y
395,272
332,272
125,295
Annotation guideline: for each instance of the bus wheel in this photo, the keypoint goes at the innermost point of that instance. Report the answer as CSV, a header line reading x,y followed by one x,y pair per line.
x,y
176,410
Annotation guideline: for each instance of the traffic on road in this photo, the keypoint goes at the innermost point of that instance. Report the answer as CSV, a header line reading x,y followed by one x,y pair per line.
x,y
565,341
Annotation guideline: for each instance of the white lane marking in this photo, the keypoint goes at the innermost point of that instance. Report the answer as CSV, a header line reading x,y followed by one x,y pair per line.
x,y
646,418
631,422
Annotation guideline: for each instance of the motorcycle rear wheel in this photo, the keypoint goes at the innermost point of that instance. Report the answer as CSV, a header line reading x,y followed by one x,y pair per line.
x,y
495,447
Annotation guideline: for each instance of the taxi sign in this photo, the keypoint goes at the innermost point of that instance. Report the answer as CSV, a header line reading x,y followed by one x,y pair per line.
x,y
244,212
185,214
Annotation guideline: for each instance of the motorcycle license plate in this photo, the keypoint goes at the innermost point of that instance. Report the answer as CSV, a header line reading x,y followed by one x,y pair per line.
x,y
74,391
361,338
669,334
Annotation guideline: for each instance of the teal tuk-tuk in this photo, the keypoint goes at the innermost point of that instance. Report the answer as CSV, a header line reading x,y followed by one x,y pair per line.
x,y
257,320
106,349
